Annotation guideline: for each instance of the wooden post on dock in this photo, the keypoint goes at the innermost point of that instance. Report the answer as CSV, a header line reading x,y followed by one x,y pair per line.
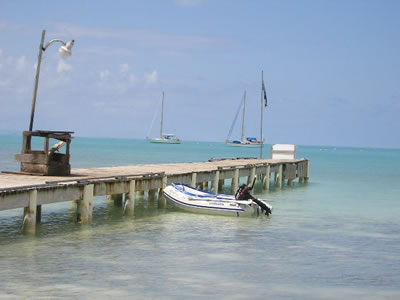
x,y
194,180
266,178
235,181
129,207
308,171
251,176
85,205
214,188
278,177
162,202
30,213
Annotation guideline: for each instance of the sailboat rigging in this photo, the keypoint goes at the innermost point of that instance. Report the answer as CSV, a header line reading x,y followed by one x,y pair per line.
x,y
165,138
244,141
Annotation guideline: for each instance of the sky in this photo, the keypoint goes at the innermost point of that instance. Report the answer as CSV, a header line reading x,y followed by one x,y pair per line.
x,y
331,69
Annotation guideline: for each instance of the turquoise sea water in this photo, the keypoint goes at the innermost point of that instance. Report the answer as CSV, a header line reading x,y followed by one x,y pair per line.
x,y
337,237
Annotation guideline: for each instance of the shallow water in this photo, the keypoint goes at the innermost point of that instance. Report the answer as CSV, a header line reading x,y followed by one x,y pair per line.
x,y
337,237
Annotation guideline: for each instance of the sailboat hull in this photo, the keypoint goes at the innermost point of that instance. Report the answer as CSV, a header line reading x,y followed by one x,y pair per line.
x,y
245,144
164,141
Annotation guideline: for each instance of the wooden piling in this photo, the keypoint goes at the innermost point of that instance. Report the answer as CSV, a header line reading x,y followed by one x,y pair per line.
x,y
278,177
162,202
308,171
129,207
235,181
251,176
85,205
267,178
29,223
194,180
214,188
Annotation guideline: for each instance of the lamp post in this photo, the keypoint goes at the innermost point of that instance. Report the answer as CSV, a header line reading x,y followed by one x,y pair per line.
x,y
64,51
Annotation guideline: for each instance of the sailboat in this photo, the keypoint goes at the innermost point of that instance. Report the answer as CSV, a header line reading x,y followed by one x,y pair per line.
x,y
165,138
244,141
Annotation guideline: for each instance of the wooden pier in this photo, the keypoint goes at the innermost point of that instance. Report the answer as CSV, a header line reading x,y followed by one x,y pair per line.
x,y
30,192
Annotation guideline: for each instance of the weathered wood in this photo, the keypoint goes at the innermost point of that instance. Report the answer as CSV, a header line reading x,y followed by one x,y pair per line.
x,y
30,213
235,181
289,171
129,206
45,162
35,157
14,189
215,182
85,205
194,180
267,178
251,176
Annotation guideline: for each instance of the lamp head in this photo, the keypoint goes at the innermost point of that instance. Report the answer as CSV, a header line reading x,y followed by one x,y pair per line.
x,y
65,50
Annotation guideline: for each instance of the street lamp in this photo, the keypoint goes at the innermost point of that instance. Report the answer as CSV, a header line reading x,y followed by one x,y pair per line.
x,y
64,51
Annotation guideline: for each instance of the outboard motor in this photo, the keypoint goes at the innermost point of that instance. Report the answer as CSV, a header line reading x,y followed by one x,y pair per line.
x,y
243,193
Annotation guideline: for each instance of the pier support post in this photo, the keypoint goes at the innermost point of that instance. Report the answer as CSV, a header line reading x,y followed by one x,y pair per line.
x,y
85,205
194,179
235,181
162,202
30,214
308,172
129,207
251,176
215,182
266,178
278,177
290,182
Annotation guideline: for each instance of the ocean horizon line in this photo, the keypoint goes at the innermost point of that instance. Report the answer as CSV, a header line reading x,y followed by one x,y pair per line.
x,y
322,146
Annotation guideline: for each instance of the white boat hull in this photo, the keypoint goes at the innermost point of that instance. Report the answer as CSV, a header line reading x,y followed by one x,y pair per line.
x,y
195,201
249,145
164,141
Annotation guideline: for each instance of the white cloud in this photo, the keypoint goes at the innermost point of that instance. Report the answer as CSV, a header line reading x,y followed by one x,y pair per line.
x,y
104,74
124,68
63,66
21,63
151,78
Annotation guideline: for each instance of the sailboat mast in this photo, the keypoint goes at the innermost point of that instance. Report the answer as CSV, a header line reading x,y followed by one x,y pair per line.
x,y
262,115
242,138
162,115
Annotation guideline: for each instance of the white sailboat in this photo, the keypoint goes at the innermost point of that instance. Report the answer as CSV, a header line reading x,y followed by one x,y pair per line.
x,y
250,141
244,141
165,138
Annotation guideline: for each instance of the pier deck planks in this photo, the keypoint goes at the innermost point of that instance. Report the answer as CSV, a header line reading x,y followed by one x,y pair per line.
x,y
16,181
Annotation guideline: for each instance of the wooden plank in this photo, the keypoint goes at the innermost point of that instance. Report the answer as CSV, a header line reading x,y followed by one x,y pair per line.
x,y
33,158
